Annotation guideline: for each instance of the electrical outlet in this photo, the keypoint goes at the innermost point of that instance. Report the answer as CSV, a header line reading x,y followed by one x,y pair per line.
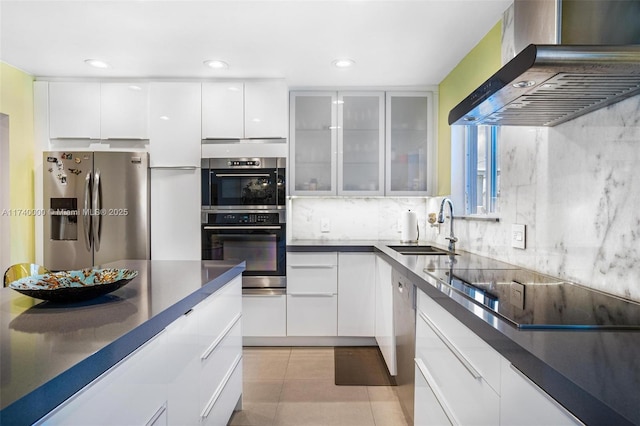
x,y
518,236
325,225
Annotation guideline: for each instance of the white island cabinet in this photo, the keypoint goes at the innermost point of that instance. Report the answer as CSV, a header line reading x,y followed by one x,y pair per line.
x,y
188,374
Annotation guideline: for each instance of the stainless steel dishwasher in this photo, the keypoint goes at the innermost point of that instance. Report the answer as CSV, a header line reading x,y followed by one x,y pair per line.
x,y
404,315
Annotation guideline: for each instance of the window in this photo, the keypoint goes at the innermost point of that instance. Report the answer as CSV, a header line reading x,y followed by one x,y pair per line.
x,y
475,166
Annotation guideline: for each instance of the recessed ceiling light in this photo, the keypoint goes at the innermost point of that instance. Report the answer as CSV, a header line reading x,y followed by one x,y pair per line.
x,y
164,118
136,88
343,63
97,63
216,64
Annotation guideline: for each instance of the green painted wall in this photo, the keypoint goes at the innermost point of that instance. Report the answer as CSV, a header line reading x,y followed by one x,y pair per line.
x,y
16,101
479,64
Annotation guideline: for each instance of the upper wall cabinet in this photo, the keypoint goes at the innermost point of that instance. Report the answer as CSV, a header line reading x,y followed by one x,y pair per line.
x,y
341,144
74,110
265,109
174,124
314,141
81,110
337,143
223,110
410,148
250,110
124,111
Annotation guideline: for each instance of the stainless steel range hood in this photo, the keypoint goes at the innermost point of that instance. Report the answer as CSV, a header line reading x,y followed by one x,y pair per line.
x,y
547,84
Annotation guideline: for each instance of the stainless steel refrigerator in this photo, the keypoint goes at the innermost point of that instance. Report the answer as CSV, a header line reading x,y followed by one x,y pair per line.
x,y
96,207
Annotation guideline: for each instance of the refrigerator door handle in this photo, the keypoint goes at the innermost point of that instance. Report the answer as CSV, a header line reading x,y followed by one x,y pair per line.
x,y
97,222
86,212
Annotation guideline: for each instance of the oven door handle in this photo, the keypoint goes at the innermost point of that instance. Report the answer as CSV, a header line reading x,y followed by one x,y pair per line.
x,y
242,175
230,228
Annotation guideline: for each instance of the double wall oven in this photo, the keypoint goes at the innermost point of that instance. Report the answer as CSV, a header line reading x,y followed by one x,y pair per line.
x,y
244,217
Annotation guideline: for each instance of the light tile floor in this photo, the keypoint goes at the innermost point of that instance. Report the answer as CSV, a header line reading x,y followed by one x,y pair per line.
x,y
295,386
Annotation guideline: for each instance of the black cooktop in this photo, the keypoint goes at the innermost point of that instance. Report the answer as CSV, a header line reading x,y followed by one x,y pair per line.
x,y
530,300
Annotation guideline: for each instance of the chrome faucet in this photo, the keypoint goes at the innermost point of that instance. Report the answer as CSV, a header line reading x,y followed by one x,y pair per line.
x,y
452,239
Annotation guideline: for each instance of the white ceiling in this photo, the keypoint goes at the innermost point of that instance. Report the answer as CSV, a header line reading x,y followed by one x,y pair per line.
x,y
394,43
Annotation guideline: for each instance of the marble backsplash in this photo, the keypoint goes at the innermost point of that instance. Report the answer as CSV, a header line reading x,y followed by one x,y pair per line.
x,y
576,187
351,218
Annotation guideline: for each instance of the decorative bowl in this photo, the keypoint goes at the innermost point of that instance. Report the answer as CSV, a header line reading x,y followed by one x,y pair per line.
x,y
73,286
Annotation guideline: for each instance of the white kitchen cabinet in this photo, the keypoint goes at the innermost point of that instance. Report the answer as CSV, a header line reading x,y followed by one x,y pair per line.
x,y
265,109
523,403
74,110
356,294
337,143
314,142
384,322
174,124
455,377
360,143
223,110
133,392
124,111
312,294
189,374
429,407
92,110
410,144
477,353
249,110
175,214
264,315
183,369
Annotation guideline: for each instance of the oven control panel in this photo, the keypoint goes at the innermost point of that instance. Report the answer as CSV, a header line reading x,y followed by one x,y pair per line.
x,y
242,218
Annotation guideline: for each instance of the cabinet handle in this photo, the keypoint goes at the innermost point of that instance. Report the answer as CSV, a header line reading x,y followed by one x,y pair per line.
x,y
157,415
312,266
214,398
312,294
220,337
174,167
436,391
463,360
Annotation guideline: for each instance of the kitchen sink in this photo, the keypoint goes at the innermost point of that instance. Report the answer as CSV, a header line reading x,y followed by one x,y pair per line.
x,y
420,250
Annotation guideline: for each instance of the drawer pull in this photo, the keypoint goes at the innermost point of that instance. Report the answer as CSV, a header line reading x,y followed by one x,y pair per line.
x,y
463,360
312,294
157,415
220,337
312,266
436,391
214,398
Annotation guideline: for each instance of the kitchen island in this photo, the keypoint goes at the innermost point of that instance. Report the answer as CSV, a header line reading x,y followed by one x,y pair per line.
x,y
51,352
593,373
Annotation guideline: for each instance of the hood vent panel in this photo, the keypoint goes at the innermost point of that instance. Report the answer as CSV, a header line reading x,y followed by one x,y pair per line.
x,y
546,85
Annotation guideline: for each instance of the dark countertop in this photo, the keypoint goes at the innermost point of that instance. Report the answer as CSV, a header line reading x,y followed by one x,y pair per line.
x,y
49,351
595,374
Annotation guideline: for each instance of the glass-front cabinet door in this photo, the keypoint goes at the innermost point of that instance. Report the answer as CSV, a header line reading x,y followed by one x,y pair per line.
x,y
360,143
313,146
409,152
